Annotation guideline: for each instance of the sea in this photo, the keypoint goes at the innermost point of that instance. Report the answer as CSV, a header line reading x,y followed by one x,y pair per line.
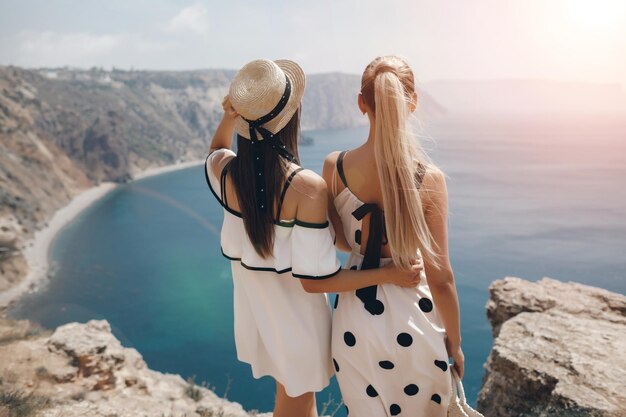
x,y
529,197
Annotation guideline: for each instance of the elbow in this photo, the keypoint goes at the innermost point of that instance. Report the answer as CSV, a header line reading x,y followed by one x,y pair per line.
x,y
441,279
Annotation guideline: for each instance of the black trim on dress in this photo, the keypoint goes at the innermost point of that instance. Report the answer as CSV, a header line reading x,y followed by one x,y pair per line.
x,y
236,213
301,276
282,271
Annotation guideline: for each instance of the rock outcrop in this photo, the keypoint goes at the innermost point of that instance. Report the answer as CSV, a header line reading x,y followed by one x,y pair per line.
x,y
83,370
559,350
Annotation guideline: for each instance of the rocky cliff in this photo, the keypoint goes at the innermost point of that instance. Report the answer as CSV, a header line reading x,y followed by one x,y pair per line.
x,y
83,370
62,131
558,350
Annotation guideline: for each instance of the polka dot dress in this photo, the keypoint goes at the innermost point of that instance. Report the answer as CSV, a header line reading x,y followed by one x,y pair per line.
x,y
388,344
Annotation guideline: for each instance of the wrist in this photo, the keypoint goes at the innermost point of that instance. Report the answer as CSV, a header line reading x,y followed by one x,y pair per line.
x,y
453,343
228,121
383,276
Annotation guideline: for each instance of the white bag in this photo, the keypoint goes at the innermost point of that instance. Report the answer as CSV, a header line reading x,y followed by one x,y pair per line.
x,y
458,403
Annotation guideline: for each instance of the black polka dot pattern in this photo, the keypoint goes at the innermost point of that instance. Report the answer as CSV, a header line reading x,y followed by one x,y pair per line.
x,y
354,267
349,338
405,398
405,339
425,305
371,391
375,307
336,365
411,389
443,365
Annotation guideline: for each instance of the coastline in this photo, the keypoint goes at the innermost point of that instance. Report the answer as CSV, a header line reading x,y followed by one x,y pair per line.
x,y
154,171
36,249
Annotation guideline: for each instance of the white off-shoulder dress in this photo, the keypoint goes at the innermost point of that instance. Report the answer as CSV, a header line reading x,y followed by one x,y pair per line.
x,y
388,341
280,330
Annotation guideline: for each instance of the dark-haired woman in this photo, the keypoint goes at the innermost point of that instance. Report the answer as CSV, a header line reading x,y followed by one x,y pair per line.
x,y
277,236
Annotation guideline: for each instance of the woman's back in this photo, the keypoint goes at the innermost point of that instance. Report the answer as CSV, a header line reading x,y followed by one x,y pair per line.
x,y
390,205
354,183
388,342
274,315
298,183
299,216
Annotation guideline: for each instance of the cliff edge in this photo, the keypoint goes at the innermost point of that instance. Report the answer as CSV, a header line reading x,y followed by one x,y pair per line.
x,y
558,350
82,369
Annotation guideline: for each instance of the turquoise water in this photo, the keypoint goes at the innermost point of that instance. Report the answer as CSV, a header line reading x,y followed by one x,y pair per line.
x,y
528,199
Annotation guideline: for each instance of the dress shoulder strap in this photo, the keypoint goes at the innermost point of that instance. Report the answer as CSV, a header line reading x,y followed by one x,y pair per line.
x,y
340,168
285,187
223,182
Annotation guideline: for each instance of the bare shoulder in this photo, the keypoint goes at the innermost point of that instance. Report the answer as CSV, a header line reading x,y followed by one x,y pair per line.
x,y
311,197
217,159
331,158
329,164
434,185
308,184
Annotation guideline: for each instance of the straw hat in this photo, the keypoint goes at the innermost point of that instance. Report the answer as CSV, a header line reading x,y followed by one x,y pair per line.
x,y
259,86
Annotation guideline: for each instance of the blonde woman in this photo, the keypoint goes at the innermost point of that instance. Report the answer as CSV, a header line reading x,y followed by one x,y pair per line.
x,y
391,345
277,237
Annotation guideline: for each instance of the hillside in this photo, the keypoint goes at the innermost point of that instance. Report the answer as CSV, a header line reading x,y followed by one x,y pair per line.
x,y
330,101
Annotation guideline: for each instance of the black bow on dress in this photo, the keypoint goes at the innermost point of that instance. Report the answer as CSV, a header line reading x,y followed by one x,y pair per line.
x,y
371,259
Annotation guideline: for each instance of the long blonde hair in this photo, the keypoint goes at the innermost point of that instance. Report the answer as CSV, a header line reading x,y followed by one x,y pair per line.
x,y
388,87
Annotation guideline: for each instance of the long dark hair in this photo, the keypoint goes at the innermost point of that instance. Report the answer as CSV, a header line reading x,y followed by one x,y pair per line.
x,y
259,224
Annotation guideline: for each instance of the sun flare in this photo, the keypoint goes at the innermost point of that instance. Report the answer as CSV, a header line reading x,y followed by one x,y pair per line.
x,y
597,15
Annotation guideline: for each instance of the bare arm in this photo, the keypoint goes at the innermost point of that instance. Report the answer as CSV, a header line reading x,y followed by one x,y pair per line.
x,y
441,277
328,174
312,206
223,136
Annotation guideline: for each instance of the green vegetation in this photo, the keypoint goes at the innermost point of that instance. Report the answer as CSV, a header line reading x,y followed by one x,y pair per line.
x,y
192,390
20,404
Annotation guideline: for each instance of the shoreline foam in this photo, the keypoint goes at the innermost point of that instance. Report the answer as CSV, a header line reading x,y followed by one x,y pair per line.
x,y
154,171
36,249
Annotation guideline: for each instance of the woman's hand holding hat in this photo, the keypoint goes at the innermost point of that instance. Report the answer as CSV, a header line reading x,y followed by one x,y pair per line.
x,y
229,111
223,137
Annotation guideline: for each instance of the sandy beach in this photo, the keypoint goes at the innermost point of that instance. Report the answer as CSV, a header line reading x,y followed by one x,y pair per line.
x,y
151,172
36,249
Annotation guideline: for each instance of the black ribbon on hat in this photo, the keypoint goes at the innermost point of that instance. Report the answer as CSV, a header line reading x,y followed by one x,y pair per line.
x,y
268,140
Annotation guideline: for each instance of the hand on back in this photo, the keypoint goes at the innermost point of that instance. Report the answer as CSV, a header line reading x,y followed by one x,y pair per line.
x,y
403,277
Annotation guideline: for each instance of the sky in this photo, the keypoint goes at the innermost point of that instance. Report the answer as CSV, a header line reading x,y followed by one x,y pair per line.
x,y
569,40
